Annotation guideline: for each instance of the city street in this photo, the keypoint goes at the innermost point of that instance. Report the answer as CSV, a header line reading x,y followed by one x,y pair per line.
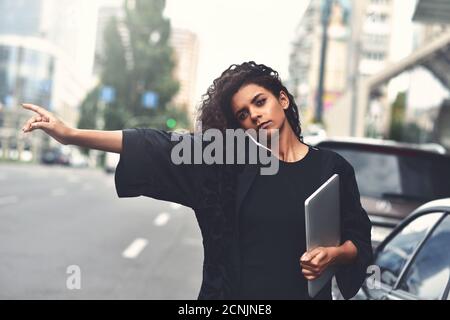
x,y
56,217
358,89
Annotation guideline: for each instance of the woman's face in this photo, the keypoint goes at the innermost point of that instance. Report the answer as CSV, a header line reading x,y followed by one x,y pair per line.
x,y
255,107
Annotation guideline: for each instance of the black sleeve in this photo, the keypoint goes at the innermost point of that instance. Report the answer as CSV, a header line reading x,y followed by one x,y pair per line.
x,y
145,168
356,227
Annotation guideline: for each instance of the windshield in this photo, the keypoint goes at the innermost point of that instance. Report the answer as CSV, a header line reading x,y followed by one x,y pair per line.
x,y
408,177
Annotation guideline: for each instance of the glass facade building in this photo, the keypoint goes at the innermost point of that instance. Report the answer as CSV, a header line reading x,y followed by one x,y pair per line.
x,y
25,75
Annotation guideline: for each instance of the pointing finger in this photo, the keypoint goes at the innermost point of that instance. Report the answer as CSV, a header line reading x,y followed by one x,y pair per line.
x,y
41,111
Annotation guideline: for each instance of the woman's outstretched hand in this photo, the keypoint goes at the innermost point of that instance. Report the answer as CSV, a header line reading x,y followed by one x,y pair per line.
x,y
47,122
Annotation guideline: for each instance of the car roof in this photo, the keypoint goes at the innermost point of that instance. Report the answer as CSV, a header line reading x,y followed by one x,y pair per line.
x,y
435,205
439,205
387,144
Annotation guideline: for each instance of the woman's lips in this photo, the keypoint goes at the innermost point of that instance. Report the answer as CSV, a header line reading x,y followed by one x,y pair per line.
x,y
265,125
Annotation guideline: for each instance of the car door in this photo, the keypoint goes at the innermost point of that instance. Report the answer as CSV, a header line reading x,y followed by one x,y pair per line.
x,y
395,253
428,273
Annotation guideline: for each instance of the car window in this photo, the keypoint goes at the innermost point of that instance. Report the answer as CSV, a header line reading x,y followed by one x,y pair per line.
x,y
394,255
380,172
421,178
429,273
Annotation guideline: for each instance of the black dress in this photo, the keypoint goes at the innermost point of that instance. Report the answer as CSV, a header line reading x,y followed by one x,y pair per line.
x,y
250,251
272,222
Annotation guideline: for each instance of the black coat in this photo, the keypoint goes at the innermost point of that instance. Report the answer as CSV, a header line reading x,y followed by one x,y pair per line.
x,y
216,192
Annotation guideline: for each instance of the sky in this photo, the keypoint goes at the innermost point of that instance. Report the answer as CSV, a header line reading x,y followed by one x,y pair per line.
x,y
234,31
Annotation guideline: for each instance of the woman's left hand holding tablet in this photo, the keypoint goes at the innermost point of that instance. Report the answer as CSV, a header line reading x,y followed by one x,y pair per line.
x,y
316,261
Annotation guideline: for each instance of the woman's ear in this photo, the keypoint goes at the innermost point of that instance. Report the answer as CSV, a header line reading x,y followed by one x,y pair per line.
x,y
284,100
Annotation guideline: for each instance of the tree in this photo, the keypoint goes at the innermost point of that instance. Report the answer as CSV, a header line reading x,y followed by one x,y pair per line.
x,y
89,113
137,59
398,117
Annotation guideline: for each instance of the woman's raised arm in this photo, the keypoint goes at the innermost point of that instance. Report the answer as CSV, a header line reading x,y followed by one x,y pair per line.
x,y
110,141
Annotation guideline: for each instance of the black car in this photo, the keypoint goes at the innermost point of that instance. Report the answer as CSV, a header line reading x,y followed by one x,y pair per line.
x,y
413,262
394,178
55,156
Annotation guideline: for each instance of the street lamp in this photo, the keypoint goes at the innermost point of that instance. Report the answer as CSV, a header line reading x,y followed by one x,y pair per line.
x,y
326,12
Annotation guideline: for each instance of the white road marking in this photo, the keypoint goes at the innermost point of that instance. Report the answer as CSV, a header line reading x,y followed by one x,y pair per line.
x,y
135,248
8,200
58,192
175,206
161,219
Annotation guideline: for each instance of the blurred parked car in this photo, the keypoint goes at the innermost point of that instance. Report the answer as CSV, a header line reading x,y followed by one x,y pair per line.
x,y
77,159
55,156
414,260
313,134
394,178
65,155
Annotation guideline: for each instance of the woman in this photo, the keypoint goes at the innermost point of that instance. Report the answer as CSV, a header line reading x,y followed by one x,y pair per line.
x,y
252,224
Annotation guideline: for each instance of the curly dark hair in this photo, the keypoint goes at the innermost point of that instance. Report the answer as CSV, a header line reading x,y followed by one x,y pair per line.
x,y
215,108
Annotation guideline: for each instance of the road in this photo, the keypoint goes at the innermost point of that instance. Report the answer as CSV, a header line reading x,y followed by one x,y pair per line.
x,y
53,218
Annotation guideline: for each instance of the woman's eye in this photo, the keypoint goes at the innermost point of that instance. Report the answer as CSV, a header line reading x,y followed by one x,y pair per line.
x,y
242,115
261,102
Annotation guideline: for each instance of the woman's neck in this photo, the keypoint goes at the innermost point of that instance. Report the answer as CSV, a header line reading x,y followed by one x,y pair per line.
x,y
290,149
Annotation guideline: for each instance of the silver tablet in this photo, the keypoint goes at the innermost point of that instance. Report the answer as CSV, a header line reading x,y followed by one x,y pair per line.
x,y
323,222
